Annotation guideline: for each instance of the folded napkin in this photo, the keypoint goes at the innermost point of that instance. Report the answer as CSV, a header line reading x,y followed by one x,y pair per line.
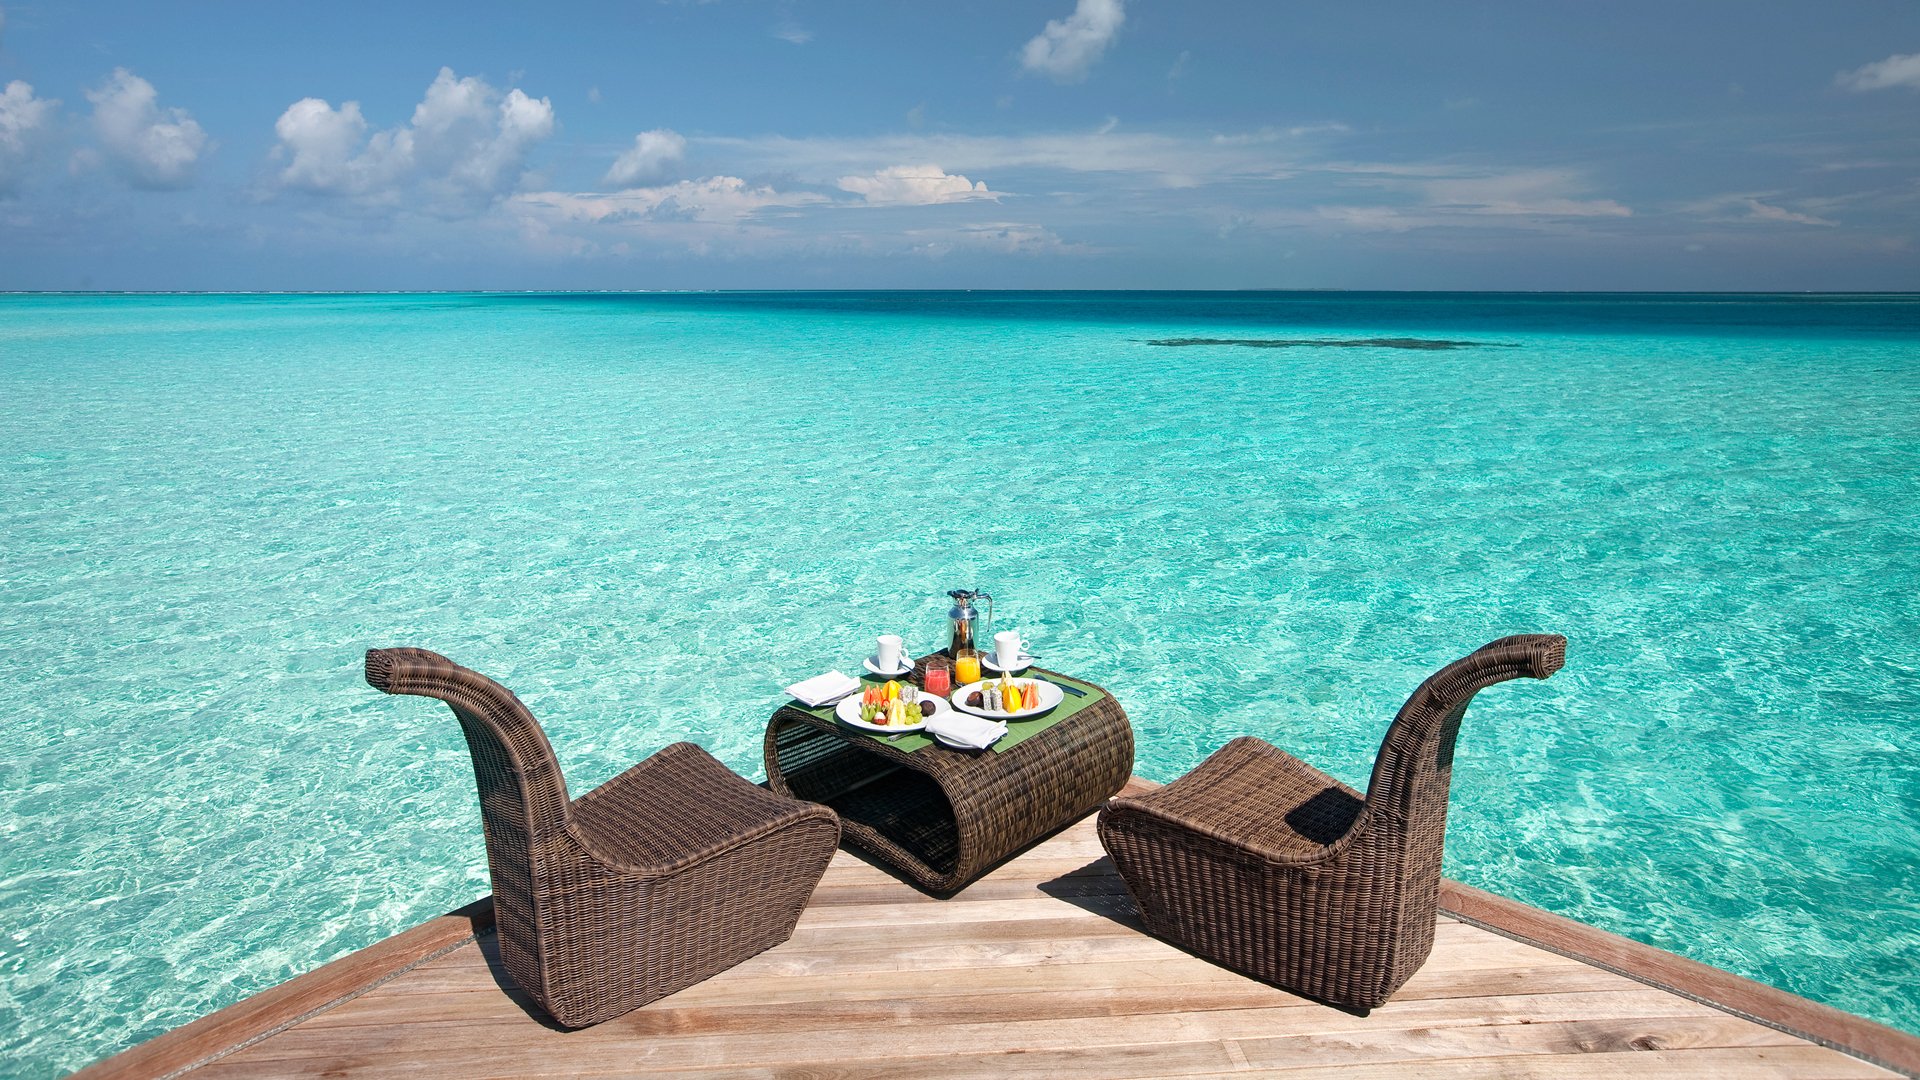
x,y
821,689
972,732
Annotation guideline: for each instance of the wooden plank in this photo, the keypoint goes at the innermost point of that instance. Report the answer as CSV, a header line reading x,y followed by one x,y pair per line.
x,y
282,1006
1085,988
1802,1061
1191,1058
1810,1020
1463,954
425,990
626,1044
1567,1037
1098,1063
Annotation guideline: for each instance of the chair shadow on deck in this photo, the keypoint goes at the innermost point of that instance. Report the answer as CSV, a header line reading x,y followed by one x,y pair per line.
x,y
1096,887
488,942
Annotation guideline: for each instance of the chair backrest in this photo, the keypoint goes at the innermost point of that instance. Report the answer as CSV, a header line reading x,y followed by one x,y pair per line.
x,y
523,797
1412,775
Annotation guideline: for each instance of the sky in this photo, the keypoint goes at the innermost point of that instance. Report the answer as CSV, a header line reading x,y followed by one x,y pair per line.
x,y
660,144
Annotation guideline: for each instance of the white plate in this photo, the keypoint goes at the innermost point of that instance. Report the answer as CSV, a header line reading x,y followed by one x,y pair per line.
x,y
868,664
1050,696
849,713
987,661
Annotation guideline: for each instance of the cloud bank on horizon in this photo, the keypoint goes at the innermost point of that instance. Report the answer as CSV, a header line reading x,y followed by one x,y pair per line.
x,y
1109,143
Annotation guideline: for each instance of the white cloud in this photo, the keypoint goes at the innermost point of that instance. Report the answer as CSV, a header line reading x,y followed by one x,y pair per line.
x,y
1896,70
1372,218
1153,157
1439,196
1744,206
1068,47
326,153
24,120
914,185
465,146
151,147
464,140
792,32
1005,238
649,158
1760,211
716,215
1522,193
713,200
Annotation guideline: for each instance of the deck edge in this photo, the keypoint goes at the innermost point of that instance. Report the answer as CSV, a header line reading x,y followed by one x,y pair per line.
x,y
1855,1036
274,1010
278,1008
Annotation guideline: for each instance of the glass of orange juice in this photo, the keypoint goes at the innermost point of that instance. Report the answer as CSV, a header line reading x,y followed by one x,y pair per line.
x,y
966,666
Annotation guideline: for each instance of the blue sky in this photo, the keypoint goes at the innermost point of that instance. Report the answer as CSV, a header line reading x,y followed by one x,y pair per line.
x,y
1050,144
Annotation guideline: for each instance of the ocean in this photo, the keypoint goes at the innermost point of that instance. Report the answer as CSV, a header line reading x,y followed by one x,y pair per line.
x,y
1244,513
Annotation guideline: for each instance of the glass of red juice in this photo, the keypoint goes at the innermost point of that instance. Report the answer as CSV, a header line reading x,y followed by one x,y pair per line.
x,y
937,679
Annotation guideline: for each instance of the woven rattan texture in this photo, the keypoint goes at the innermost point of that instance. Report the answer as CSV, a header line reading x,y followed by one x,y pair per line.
x,y
943,817
671,872
1268,866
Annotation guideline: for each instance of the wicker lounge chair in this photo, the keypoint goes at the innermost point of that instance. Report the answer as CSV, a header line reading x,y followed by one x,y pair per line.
x,y
1266,865
675,870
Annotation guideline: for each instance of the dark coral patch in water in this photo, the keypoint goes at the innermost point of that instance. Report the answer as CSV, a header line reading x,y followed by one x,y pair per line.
x,y
1430,344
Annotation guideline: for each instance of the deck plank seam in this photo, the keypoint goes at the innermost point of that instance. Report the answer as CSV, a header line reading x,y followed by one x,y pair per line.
x,y
1678,991
335,1003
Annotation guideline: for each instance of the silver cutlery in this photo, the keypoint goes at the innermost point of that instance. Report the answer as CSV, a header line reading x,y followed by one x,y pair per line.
x,y
1074,690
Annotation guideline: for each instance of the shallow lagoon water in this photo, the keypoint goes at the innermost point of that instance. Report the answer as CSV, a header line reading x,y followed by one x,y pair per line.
x,y
645,513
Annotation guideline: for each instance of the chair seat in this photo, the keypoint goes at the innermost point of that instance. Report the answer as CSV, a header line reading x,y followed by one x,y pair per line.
x,y
1254,796
676,808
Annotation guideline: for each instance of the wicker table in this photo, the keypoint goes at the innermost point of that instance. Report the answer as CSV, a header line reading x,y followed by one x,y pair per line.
x,y
941,817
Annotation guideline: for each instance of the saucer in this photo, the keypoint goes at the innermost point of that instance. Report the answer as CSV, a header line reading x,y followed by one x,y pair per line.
x,y
987,661
907,670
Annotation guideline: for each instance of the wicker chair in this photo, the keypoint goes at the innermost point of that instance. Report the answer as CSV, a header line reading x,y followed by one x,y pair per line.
x,y
673,871
1263,864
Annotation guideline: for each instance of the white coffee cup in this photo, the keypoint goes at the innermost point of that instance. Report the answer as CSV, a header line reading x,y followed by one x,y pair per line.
x,y
886,652
1008,648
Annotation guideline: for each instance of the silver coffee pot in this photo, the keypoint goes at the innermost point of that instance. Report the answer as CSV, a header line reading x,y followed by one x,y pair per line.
x,y
962,616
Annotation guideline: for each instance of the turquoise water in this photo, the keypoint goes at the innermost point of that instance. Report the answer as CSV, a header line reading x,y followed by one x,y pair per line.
x,y
646,513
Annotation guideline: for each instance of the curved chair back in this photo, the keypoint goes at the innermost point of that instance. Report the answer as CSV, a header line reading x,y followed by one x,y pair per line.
x,y
1414,770
523,797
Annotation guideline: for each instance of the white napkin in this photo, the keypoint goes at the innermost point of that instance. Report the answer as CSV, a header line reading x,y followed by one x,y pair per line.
x,y
824,688
973,732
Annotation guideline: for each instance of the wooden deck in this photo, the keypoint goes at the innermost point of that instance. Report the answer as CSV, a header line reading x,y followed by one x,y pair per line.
x,y
1039,969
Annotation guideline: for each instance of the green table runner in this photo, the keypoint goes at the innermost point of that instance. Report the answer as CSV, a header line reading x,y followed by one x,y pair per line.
x,y
1018,731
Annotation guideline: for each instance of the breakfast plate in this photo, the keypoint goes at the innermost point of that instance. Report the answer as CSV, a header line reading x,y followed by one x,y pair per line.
x,y
1049,696
848,712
